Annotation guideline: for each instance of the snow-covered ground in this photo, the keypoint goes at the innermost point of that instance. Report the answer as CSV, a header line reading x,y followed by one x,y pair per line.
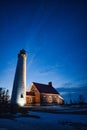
x,y
47,121
59,109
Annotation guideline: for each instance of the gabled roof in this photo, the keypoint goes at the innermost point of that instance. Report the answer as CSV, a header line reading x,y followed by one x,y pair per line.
x,y
43,88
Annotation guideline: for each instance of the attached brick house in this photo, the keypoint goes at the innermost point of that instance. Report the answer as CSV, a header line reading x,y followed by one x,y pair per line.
x,y
43,94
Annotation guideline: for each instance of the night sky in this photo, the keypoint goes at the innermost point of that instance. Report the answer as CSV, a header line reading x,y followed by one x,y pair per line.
x,y
54,35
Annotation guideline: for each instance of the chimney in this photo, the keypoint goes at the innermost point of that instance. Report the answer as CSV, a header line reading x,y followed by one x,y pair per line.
x,y
50,83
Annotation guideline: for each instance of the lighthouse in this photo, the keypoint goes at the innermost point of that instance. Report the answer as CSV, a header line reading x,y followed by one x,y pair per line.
x,y
19,85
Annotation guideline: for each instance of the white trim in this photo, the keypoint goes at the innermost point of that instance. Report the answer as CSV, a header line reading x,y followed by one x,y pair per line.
x,y
60,97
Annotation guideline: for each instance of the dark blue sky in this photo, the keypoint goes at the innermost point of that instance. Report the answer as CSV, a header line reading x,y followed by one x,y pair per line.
x,y
54,34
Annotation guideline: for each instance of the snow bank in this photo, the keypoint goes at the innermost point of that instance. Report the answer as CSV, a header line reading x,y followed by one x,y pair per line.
x,y
46,121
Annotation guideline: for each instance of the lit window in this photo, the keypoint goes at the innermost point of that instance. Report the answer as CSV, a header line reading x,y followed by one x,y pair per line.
x,y
55,99
50,99
30,99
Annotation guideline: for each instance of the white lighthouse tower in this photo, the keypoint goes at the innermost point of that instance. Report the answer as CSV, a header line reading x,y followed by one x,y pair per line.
x,y
19,85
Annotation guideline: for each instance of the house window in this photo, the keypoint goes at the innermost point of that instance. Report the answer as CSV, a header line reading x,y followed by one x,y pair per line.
x,y
50,99
30,99
44,99
33,90
21,95
55,99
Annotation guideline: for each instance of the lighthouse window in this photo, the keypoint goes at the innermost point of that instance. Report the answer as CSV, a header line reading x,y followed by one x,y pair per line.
x,y
21,95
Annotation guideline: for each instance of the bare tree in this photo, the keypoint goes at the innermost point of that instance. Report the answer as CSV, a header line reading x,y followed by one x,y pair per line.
x,y
81,99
